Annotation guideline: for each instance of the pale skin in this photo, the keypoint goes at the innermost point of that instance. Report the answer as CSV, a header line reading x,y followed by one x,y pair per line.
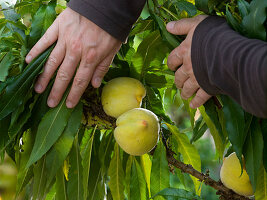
x,y
83,51
181,56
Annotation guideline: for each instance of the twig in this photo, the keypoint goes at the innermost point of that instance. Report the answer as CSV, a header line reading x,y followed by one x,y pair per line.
x,y
224,192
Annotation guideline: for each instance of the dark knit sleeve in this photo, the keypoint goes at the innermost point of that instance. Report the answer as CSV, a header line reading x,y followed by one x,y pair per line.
x,y
225,62
114,16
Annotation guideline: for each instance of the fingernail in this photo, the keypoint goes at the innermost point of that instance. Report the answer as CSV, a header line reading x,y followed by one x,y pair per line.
x,y
97,82
69,104
28,58
38,88
51,103
170,25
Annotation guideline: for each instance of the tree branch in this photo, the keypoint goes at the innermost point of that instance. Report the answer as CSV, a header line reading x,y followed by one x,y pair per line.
x,y
224,192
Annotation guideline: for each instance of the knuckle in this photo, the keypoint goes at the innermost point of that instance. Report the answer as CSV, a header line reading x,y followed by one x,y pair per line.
x,y
102,69
75,46
90,57
52,61
80,83
63,75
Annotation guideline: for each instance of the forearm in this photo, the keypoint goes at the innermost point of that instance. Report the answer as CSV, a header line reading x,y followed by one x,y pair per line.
x,y
224,62
116,17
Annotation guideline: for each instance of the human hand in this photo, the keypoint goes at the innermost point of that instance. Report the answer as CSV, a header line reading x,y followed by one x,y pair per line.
x,y
80,44
184,76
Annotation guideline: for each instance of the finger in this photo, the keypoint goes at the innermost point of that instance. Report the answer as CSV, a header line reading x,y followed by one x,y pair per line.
x,y
64,75
200,98
54,60
175,58
82,78
181,27
46,41
180,77
189,88
101,71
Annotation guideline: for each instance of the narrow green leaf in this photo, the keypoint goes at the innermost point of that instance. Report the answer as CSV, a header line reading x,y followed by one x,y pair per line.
x,y
233,22
42,19
61,191
141,26
51,195
151,51
206,6
199,129
243,7
253,149
138,189
15,92
5,65
160,171
128,176
60,150
86,162
264,135
22,157
4,125
39,179
50,129
183,5
177,194
254,21
75,184
189,153
220,146
146,164
116,174
235,124
261,189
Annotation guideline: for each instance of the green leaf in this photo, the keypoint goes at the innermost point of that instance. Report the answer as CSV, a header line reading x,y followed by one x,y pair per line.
x,y
42,20
183,5
169,38
152,50
155,103
5,65
189,153
213,114
177,194
39,179
138,189
160,171
261,189
206,6
60,150
243,8
15,92
220,146
254,21
264,135
22,157
61,191
141,26
146,165
116,174
75,184
233,22
253,149
51,195
199,129
86,162
50,129
235,124
4,125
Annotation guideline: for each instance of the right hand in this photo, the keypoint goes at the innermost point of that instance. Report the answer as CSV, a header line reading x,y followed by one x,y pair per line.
x,y
80,44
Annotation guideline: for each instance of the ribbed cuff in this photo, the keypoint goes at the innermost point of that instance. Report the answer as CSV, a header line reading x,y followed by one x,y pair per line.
x,y
199,49
100,19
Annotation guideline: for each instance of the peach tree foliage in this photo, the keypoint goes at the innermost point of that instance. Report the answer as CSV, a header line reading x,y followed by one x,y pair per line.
x,y
65,153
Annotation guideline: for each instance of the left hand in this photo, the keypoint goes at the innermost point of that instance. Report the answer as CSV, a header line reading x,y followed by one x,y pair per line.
x,y
184,76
